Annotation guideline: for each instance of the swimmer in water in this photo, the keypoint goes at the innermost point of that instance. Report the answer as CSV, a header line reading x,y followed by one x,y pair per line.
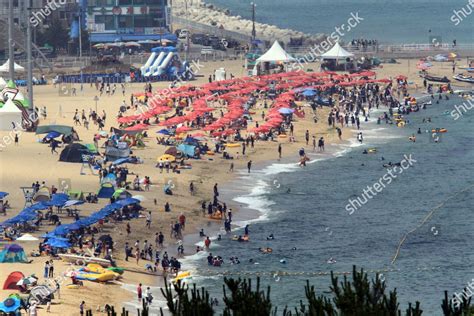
x,y
365,151
294,248
419,130
271,237
331,260
288,190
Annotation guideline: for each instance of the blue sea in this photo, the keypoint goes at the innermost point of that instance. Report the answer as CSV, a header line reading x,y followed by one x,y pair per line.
x,y
306,210
388,21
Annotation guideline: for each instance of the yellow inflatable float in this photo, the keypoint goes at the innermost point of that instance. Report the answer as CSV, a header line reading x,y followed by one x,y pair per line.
x,y
182,276
232,145
100,277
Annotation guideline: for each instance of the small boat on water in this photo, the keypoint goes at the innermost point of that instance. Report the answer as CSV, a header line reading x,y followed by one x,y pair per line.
x,y
464,78
437,79
83,260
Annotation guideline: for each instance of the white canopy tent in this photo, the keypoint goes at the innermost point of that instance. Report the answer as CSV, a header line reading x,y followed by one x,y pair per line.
x,y
275,54
337,52
9,113
3,83
6,67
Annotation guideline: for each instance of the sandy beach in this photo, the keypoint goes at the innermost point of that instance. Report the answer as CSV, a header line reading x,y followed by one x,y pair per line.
x,y
32,161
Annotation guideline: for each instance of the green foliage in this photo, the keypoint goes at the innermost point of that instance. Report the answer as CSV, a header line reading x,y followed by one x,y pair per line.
x,y
461,309
356,297
243,300
198,304
55,35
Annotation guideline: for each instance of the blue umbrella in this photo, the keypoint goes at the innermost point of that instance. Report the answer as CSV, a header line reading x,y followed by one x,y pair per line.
x,y
309,93
58,243
10,305
3,194
164,132
286,111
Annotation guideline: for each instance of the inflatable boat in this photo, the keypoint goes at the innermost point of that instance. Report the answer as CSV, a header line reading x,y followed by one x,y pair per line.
x,y
437,79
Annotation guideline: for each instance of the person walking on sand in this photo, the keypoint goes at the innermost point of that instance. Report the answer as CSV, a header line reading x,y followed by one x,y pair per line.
x,y
249,165
139,292
54,145
16,139
306,136
321,144
314,143
191,188
148,220
81,308
279,151
51,269
46,269
32,309
231,168
137,255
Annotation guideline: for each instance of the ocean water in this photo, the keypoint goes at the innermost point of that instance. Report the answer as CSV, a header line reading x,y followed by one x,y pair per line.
x,y
388,21
312,217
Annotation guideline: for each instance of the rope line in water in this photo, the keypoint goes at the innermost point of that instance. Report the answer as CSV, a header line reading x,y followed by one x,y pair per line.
x,y
299,273
427,217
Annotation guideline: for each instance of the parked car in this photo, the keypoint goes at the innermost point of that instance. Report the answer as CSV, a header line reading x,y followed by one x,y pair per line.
x,y
198,39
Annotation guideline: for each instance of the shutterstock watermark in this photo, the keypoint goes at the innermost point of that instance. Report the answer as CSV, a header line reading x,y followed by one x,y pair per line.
x,y
386,179
460,15
318,49
459,110
467,293
38,16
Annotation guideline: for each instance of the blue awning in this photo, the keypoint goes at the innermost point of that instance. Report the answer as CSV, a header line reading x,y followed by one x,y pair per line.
x,y
112,37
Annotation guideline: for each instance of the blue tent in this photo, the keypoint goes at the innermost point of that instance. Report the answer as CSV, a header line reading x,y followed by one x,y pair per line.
x,y
191,141
3,194
13,253
52,135
106,191
188,150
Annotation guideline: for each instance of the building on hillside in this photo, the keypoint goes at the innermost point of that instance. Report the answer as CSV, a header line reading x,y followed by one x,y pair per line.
x,y
127,20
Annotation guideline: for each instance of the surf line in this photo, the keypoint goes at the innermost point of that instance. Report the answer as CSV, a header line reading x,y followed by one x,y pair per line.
x,y
430,214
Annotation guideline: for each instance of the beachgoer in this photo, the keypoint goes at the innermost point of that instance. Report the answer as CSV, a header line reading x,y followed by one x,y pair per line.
x,y
46,269
148,220
139,292
249,165
279,151
207,242
81,308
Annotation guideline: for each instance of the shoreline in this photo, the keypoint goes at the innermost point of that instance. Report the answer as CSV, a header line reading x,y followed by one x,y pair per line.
x,y
31,161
